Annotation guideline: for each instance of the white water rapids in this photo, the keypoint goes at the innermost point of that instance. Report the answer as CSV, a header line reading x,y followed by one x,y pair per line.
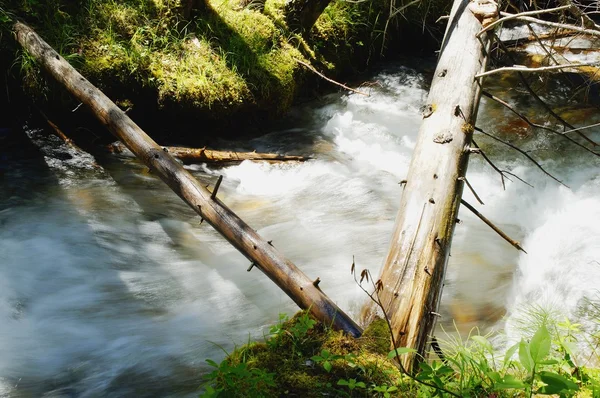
x,y
110,286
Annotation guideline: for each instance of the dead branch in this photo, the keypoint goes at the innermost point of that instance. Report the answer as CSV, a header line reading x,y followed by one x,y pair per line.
x,y
522,14
522,68
501,172
471,188
537,97
573,28
330,80
490,224
203,155
532,124
580,15
516,148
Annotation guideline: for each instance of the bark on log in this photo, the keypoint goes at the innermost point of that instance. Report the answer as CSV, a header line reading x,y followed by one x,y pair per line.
x,y
260,252
203,155
413,274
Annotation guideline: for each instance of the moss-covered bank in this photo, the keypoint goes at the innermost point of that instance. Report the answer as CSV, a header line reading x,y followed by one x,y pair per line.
x,y
304,358
225,63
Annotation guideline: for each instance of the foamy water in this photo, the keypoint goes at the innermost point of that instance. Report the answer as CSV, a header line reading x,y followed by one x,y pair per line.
x,y
109,285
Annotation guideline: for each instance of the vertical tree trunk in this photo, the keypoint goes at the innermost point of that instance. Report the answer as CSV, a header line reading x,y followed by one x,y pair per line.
x,y
305,292
301,15
413,274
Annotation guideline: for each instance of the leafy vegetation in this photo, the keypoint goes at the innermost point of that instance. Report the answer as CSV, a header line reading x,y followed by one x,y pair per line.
x,y
306,358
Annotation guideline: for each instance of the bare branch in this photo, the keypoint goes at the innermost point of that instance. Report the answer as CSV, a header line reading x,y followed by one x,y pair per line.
x,y
577,13
501,172
581,128
530,123
522,14
553,24
534,94
330,80
490,224
521,68
471,188
516,148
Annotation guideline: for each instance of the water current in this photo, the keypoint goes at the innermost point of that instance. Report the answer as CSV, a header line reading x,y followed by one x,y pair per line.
x,y
111,286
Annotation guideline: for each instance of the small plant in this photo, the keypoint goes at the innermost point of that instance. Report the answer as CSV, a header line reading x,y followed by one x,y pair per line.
x,y
385,390
351,384
237,380
325,359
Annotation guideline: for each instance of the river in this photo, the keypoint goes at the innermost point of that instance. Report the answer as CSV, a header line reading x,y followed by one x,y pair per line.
x,y
111,286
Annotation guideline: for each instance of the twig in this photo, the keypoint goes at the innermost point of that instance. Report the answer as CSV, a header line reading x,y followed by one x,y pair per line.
x,y
573,28
577,13
330,80
530,123
589,126
471,188
516,148
534,94
501,172
377,300
513,16
514,243
213,195
520,68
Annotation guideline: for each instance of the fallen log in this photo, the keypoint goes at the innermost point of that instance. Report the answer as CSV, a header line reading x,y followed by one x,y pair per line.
x,y
413,273
203,155
261,253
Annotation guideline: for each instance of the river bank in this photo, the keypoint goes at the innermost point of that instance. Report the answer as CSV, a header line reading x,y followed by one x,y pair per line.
x,y
225,67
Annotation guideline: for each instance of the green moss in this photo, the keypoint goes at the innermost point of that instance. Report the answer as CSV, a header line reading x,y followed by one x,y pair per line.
x,y
292,355
224,61
376,338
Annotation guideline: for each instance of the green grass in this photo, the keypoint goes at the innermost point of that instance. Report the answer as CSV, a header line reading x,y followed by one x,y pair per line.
x,y
224,60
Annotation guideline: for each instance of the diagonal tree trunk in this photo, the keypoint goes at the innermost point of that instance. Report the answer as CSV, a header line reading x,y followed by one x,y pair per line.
x,y
305,292
413,274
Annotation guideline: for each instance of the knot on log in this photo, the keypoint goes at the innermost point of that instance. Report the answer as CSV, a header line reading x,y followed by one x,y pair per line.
x,y
486,11
427,110
443,137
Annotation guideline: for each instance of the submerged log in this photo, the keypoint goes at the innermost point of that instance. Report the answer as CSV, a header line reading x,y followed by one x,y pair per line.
x,y
413,274
260,252
203,155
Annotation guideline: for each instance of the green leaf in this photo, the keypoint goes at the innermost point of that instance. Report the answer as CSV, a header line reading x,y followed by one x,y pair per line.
x,y
342,382
494,376
400,351
361,384
548,362
327,366
510,352
556,383
509,381
539,347
482,341
525,356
